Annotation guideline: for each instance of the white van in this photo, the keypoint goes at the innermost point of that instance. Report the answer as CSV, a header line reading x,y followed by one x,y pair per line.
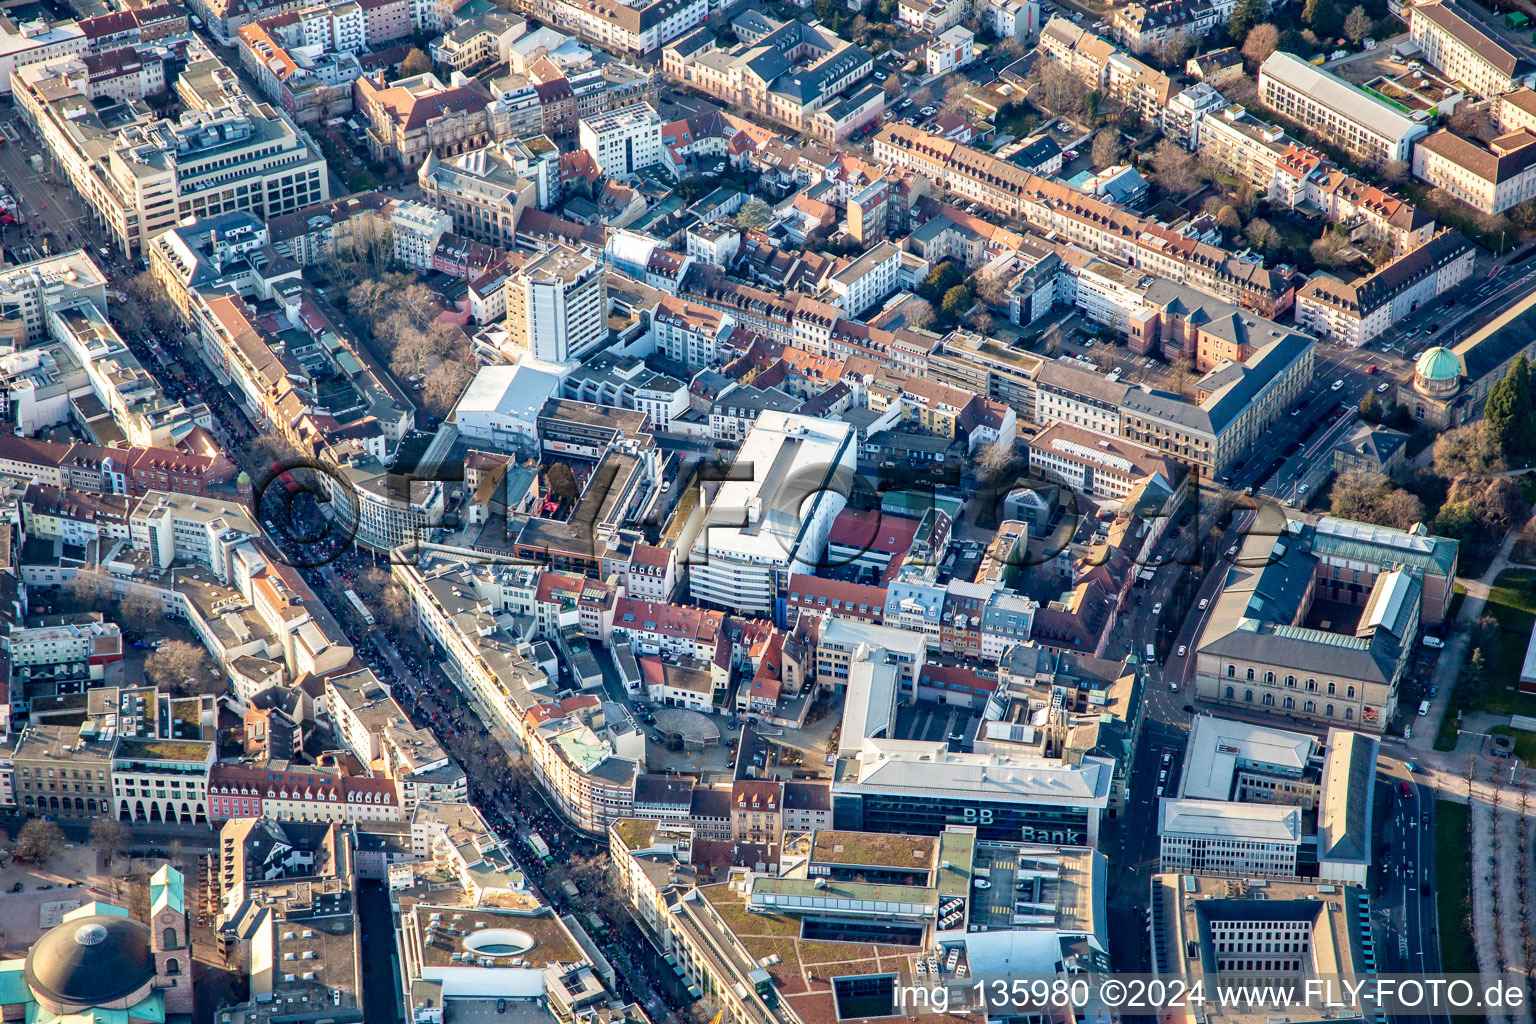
x,y
1423,707
1151,652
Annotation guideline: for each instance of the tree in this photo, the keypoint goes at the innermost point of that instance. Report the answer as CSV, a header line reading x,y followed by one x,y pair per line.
x,y
1108,150
1332,250
1261,235
1227,219
1455,521
1369,497
1483,633
918,315
139,613
938,281
416,63
1059,91
1511,429
992,289
39,842
994,460
957,91
1370,408
1358,25
109,836
88,588
981,323
754,214
1245,15
183,669
369,297
1261,42
956,301
1396,171
1322,16
1175,169
1466,451
561,482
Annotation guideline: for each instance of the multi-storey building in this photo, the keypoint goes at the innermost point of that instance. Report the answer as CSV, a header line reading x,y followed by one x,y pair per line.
x,y
1203,929
411,117
1163,25
787,71
557,306
1356,311
1489,178
64,771
1468,49
63,655
486,190
1187,257
1098,465
744,562
225,153
1235,403
33,42
868,280
641,28
623,141
1346,115
1214,837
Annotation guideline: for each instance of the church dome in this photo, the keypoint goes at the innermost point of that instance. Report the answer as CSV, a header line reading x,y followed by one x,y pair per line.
x,y
91,961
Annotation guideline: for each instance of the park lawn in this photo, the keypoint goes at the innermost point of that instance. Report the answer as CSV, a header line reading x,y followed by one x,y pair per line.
x,y
1457,954
1512,600
1525,742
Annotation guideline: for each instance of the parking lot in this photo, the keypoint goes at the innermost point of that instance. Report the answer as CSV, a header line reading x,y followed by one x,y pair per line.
x,y
931,721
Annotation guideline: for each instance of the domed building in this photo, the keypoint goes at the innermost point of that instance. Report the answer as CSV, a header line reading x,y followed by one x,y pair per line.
x,y
1437,381
98,963
1438,372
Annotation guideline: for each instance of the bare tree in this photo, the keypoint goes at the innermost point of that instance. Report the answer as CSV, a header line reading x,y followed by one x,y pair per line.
x,y
1332,250
139,613
1175,169
1108,150
1466,451
183,668
1260,233
1059,91
39,842
109,836
1358,24
88,588
1261,42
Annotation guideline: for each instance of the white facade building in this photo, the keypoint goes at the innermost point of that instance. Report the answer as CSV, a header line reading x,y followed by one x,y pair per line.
x,y
624,140
1218,837
1344,114
868,279
557,306
951,51
417,229
760,530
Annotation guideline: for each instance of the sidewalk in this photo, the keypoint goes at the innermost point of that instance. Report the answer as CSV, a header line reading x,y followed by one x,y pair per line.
x,y
1453,656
